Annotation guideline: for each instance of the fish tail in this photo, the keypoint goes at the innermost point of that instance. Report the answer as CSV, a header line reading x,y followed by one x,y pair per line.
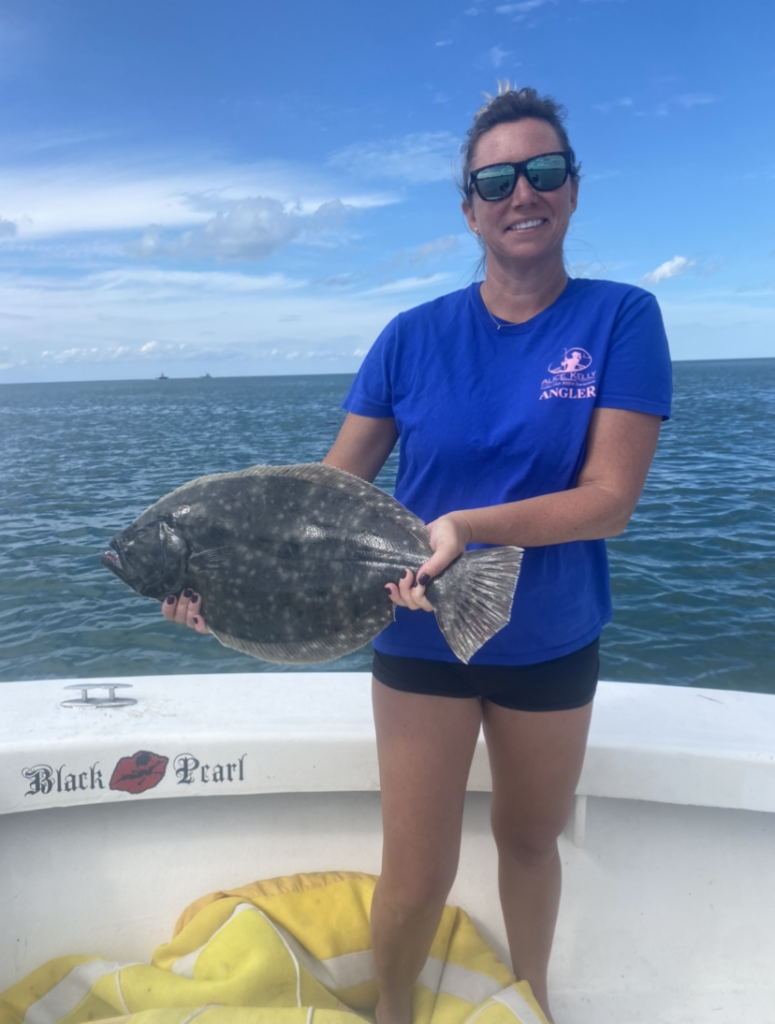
x,y
472,598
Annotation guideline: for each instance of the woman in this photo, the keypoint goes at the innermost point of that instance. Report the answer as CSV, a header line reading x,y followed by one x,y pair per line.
x,y
528,410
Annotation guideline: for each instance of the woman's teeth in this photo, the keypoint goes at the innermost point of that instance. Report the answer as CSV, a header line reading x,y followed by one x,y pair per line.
x,y
525,224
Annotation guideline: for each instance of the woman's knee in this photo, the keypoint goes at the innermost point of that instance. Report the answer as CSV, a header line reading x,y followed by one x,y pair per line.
x,y
526,840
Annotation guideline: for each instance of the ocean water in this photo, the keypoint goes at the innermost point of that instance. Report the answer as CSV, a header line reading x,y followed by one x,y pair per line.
x,y
693,576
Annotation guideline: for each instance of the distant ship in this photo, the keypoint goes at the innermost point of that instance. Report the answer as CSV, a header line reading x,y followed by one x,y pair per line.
x,y
162,376
203,375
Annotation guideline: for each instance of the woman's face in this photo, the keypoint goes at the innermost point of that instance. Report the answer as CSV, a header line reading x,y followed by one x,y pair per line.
x,y
528,225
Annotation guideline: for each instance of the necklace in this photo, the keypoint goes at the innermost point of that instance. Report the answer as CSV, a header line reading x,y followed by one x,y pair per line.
x,y
498,323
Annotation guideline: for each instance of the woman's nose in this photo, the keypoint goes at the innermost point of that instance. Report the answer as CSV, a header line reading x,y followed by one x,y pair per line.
x,y
523,191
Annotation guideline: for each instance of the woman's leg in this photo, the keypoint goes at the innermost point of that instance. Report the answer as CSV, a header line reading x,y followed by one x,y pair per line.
x,y
425,745
536,759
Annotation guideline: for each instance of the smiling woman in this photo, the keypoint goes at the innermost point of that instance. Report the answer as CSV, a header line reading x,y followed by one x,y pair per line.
x,y
528,411
495,179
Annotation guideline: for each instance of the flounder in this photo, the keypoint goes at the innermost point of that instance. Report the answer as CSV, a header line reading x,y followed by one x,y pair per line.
x,y
292,561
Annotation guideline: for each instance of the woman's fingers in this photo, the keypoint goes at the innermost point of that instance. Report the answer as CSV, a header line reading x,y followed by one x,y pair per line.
x,y
185,609
408,595
448,538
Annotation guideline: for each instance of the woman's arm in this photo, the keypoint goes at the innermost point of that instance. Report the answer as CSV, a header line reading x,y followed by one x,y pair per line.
x,y
620,447
363,445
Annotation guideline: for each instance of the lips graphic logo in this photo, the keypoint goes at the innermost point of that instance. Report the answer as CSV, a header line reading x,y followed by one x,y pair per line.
x,y
139,773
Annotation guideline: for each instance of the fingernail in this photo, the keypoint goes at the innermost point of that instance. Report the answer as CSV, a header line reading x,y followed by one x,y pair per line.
x,y
171,599
423,579
188,592
403,574
194,599
195,620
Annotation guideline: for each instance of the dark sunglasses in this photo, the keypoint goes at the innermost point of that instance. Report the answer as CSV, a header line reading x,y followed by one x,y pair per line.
x,y
545,173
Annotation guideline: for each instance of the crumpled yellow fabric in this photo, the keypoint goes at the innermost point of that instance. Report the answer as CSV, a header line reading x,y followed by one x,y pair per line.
x,y
293,950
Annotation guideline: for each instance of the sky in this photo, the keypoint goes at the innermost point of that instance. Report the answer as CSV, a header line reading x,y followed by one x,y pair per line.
x,y
243,187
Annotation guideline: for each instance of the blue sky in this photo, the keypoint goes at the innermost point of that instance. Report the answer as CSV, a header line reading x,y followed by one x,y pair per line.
x,y
244,187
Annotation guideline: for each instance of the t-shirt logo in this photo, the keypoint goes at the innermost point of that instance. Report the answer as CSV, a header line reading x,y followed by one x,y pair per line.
x,y
571,377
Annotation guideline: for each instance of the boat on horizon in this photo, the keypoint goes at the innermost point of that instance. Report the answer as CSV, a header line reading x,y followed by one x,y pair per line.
x,y
162,376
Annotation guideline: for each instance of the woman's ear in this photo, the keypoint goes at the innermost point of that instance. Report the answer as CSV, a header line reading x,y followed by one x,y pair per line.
x,y
468,212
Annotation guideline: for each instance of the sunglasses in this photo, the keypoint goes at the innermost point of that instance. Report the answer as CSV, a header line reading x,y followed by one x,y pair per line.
x,y
544,173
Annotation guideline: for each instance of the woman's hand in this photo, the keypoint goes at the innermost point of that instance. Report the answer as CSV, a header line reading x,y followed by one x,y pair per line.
x,y
448,537
186,610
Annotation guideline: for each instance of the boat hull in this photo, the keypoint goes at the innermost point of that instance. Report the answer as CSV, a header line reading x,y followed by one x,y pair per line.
x,y
667,905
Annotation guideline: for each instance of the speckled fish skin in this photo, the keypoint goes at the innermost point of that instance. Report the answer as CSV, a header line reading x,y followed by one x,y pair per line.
x,y
292,562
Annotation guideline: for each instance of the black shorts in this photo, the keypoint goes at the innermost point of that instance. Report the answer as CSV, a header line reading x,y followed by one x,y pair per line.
x,y
556,685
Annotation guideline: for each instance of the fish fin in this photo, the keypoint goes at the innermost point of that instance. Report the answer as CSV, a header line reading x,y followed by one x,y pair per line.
x,y
216,558
311,652
472,599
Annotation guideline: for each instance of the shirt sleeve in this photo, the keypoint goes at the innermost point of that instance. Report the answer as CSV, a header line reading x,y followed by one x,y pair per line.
x,y
638,373
371,393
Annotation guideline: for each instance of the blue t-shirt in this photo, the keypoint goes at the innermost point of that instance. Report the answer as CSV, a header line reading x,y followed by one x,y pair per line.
x,y
489,416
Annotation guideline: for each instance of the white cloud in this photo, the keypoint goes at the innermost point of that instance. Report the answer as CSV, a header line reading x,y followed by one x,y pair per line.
x,y
161,283
7,228
11,360
497,56
444,42
440,247
144,319
675,267
408,284
251,229
127,195
419,157
523,7
336,280
606,108
686,100
694,99
601,176
712,329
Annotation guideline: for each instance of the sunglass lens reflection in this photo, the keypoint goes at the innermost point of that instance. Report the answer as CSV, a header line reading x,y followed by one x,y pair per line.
x,y
546,173
496,183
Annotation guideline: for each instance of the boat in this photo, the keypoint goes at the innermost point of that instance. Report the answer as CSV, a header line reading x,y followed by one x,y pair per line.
x,y
205,376
669,865
162,376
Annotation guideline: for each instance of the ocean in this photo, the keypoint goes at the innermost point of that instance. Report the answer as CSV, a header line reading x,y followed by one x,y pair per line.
x,y
693,576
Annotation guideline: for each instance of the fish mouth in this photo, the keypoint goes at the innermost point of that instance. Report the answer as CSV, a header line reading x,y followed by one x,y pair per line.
x,y
112,560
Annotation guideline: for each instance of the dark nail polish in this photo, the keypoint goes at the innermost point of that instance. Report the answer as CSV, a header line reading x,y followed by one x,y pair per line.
x,y
195,620
171,599
188,592
423,579
194,599
403,574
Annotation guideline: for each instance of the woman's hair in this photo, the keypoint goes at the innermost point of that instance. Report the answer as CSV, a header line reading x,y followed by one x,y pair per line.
x,y
514,105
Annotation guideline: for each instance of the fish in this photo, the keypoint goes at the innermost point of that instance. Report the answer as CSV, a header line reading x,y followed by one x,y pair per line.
x,y
291,563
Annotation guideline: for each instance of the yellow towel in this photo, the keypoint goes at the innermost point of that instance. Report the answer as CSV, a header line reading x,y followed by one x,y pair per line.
x,y
293,950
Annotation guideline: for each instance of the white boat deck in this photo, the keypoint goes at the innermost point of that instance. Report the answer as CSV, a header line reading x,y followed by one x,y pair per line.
x,y
669,865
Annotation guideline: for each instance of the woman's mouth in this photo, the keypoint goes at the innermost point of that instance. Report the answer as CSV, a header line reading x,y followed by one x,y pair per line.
x,y
523,225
